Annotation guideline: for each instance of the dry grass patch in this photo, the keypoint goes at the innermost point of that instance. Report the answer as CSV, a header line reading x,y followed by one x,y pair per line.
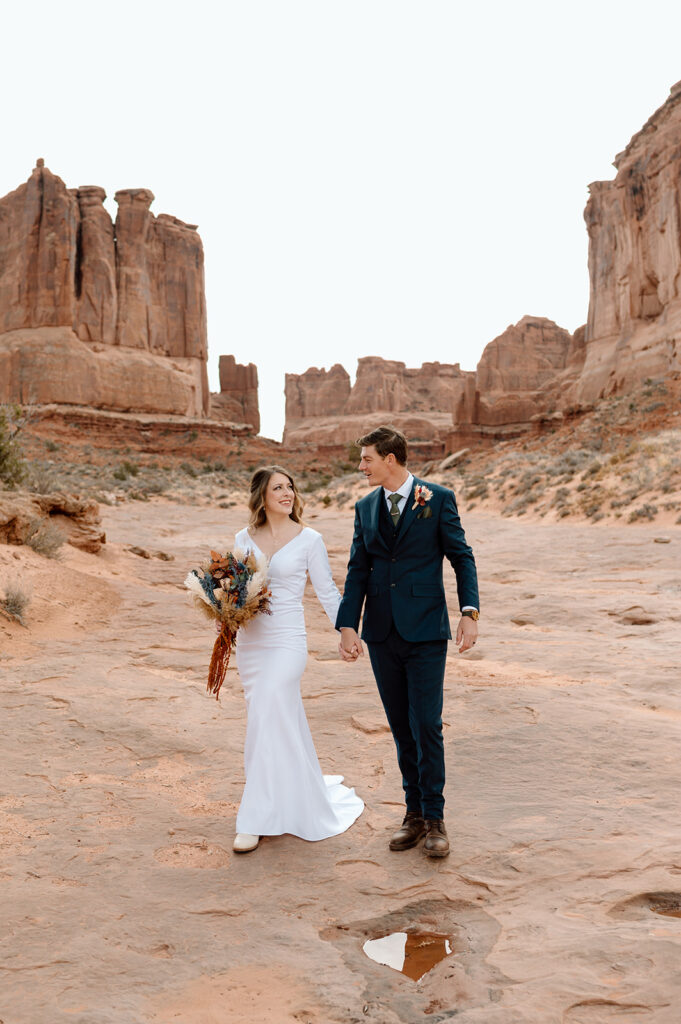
x,y
44,537
16,600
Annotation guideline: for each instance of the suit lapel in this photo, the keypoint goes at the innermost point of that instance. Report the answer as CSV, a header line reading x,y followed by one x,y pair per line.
x,y
409,515
374,513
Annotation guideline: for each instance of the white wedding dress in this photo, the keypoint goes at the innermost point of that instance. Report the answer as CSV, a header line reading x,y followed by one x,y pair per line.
x,y
285,790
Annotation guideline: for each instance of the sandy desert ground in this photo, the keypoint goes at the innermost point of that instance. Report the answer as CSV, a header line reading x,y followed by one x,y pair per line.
x,y
122,901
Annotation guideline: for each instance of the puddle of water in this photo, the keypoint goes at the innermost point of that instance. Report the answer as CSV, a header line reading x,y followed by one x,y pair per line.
x,y
411,953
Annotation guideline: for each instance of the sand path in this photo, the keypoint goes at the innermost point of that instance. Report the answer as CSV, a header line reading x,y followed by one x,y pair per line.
x,y
123,903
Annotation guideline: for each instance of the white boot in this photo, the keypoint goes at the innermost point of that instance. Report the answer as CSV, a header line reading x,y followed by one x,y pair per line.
x,y
243,842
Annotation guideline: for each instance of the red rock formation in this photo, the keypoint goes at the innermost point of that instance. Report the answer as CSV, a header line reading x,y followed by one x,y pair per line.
x,y
437,405
77,517
237,401
42,365
634,224
38,234
322,408
316,393
515,381
140,287
133,278
97,311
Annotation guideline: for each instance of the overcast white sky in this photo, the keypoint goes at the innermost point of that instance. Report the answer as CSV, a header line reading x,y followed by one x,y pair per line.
x,y
369,177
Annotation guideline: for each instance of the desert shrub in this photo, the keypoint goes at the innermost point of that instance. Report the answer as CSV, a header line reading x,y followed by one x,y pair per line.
x,y
44,537
481,491
591,508
592,470
315,481
155,486
52,446
41,479
190,470
125,470
16,601
518,507
646,511
531,479
326,500
12,464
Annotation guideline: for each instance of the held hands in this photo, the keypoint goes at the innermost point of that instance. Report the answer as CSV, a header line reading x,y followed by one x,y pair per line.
x,y
466,633
350,646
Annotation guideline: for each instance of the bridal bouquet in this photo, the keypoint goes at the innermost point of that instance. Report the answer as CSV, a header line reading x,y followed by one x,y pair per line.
x,y
231,589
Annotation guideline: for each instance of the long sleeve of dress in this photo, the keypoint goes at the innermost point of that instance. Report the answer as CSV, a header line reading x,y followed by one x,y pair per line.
x,y
320,573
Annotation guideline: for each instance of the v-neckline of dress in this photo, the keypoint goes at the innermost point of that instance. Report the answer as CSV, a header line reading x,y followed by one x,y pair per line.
x,y
270,557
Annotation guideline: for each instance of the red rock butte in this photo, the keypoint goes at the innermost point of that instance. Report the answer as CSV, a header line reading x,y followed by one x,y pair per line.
x,y
96,313
107,315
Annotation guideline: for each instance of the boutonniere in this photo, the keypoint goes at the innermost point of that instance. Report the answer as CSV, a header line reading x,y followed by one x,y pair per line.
x,y
422,494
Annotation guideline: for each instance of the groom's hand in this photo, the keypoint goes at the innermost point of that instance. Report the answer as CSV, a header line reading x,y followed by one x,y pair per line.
x,y
466,633
350,646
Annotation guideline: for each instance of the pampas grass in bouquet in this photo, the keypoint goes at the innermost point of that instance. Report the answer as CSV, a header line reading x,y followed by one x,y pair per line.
x,y
230,589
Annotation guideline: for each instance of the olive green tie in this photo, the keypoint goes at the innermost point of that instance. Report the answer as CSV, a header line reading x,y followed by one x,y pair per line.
x,y
395,500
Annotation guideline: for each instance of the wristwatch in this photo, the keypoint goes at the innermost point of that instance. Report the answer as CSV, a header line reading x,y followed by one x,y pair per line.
x,y
473,613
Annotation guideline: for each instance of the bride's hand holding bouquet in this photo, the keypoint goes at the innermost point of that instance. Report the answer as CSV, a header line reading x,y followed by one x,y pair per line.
x,y
231,589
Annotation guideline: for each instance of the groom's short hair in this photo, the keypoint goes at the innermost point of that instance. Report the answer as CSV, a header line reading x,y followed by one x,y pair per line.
x,y
386,441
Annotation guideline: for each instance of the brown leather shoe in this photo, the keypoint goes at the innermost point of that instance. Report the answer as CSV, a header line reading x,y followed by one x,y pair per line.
x,y
413,828
437,843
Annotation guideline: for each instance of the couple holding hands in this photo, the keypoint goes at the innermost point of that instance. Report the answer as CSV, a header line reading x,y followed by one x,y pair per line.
x,y
404,529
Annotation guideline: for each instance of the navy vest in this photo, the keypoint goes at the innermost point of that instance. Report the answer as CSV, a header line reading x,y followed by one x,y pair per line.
x,y
386,526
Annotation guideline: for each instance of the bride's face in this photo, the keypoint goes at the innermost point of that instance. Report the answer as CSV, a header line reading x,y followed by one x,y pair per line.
x,y
279,495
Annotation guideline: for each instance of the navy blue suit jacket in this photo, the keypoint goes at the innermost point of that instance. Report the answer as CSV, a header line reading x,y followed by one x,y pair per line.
x,y
404,585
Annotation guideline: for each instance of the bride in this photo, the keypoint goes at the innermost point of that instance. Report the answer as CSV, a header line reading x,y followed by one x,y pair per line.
x,y
285,790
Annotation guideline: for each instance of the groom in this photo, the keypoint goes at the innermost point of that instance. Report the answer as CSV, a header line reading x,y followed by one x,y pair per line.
x,y
403,531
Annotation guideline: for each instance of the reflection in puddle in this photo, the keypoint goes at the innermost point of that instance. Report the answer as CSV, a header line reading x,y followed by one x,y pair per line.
x,y
412,953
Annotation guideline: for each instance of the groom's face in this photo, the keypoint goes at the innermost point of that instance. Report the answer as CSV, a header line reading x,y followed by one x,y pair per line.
x,y
376,468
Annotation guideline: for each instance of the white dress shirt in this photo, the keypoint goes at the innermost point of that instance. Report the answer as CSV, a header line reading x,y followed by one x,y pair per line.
x,y
405,491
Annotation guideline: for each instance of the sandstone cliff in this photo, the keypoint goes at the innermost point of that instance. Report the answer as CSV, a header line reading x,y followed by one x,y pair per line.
x,y
634,225
92,313
237,400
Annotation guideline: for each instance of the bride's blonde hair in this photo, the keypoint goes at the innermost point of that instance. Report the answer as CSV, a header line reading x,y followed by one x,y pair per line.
x,y
256,501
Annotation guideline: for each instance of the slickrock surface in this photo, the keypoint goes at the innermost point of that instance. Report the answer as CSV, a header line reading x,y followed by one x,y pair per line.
x,y
123,903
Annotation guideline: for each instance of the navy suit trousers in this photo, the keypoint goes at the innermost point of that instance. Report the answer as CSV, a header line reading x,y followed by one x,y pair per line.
x,y
410,678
